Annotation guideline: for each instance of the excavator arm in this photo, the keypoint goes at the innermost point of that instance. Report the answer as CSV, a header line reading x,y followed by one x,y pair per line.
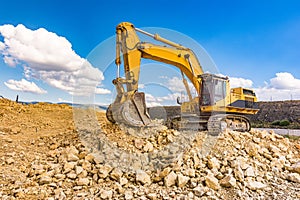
x,y
128,45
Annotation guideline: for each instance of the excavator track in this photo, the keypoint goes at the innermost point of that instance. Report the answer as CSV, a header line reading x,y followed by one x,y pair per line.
x,y
215,124
218,123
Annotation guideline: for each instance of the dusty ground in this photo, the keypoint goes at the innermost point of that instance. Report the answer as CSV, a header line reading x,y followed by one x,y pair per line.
x,y
44,156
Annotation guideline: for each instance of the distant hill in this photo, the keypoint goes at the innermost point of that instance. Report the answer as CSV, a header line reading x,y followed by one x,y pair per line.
x,y
67,103
271,111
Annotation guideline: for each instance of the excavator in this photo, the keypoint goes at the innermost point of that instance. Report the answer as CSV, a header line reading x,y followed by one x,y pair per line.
x,y
215,107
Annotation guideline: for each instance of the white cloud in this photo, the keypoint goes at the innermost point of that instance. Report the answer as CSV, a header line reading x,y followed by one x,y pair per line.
x,y
273,94
2,46
151,101
153,104
102,91
49,57
24,86
284,80
149,97
176,84
60,100
282,87
141,86
10,61
240,82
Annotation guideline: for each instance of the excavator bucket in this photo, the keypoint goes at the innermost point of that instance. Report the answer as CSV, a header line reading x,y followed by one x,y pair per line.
x,y
132,112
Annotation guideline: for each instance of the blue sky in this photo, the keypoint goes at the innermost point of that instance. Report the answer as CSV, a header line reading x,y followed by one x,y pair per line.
x,y
256,43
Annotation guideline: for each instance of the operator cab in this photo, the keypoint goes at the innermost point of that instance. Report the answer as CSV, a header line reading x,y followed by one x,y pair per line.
x,y
213,89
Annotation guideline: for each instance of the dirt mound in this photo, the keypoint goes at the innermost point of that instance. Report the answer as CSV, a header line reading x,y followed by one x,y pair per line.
x,y
43,156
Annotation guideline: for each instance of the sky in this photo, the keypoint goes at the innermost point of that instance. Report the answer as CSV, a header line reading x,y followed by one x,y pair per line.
x,y
58,51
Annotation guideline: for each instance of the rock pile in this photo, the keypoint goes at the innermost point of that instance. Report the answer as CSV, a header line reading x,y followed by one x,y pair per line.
x,y
249,165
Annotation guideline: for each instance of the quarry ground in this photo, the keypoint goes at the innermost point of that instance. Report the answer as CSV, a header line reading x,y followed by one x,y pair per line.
x,y
50,151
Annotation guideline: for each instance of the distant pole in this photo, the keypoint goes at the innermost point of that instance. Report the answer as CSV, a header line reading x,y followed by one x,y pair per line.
x,y
17,99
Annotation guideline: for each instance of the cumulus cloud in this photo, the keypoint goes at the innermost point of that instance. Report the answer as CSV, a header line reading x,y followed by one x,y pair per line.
x,y
102,91
25,86
284,86
284,80
176,84
151,101
240,82
46,56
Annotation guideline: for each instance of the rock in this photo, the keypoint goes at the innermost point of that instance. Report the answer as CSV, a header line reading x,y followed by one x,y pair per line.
x,y
294,177
69,166
60,176
212,182
139,143
148,147
45,180
16,130
106,194
182,180
89,158
104,171
86,165
249,172
296,167
116,174
123,181
128,195
255,185
54,185
170,138
151,196
78,170
256,140
274,149
190,172
142,177
71,175
170,179
238,173
71,157
213,163
199,191
10,161
252,149
263,134
73,150
228,181
83,181
165,172
8,140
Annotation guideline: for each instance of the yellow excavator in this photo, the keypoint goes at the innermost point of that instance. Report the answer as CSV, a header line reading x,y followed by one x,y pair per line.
x,y
215,107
